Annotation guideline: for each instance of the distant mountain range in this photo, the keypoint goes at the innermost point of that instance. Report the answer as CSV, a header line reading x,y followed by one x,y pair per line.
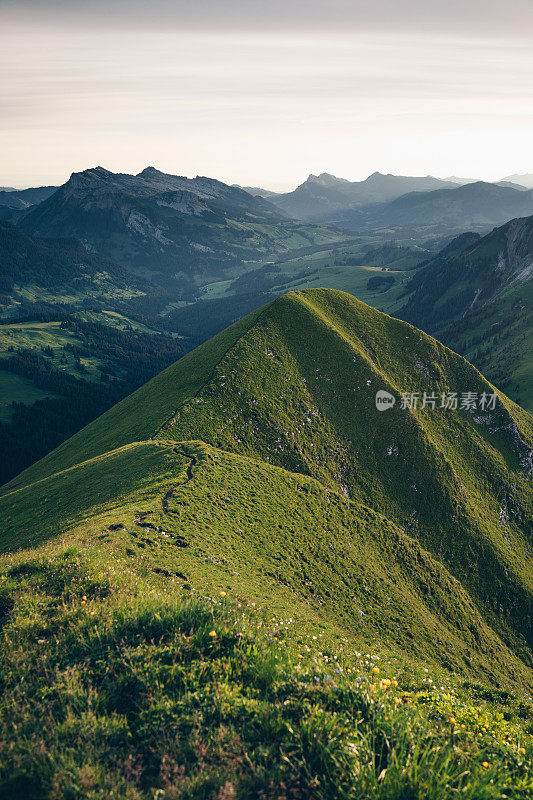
x,y
472,206
425,205
321,196
524,180
12,200
185,229
256,191
152,218
477,296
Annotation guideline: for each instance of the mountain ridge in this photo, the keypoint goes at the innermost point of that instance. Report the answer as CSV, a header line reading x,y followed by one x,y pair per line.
x,y
477,205
477,297
324,194
262,390
183,229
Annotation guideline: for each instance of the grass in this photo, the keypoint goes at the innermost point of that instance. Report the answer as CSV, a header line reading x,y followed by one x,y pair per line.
x,y
114,689
353,278
303,383
17,389
498,339
254,489
293,385
318,269
271,537
33,336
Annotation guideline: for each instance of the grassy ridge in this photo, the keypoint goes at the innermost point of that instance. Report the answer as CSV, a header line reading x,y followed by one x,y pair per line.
x,y
115,684
293,385
210,612
298,391
202,516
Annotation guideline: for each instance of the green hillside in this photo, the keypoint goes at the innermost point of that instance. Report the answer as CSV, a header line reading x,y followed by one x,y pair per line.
x,y
140,662
336,537
498,338
293,385
475,295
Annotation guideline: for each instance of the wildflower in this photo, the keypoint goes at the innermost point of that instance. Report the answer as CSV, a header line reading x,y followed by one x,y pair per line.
x,y
452,720
485,764
375,670
522,751
213,634
222,594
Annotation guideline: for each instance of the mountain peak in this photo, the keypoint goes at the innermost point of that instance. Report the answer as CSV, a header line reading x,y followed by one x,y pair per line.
x,y
90,174
88,178
149,172
325,179
100,172
525,179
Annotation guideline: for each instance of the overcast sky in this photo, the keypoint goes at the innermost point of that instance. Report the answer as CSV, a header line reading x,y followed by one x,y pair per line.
x,y
263,93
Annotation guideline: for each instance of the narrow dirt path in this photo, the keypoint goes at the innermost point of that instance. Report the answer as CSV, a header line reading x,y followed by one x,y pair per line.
x,y
170,493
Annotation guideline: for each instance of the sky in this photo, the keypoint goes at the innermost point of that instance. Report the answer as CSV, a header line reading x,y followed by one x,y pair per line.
x,y
263,93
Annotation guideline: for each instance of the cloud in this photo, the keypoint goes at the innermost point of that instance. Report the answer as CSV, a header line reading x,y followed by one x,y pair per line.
x,y
461,17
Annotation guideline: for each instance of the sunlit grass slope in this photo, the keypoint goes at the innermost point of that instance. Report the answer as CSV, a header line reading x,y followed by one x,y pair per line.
x,y
293,385
197,515
202,592
298,390
116,685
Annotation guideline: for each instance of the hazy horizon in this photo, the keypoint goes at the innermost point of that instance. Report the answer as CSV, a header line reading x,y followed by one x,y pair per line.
x,y
262,96
264,185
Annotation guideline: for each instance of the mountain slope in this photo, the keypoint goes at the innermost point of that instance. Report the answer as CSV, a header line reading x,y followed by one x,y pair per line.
x,y
322,195
157,223
208,514
476,294
292,387
214,656
57,263
470,271
468,207
525,180
497,336
13,200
